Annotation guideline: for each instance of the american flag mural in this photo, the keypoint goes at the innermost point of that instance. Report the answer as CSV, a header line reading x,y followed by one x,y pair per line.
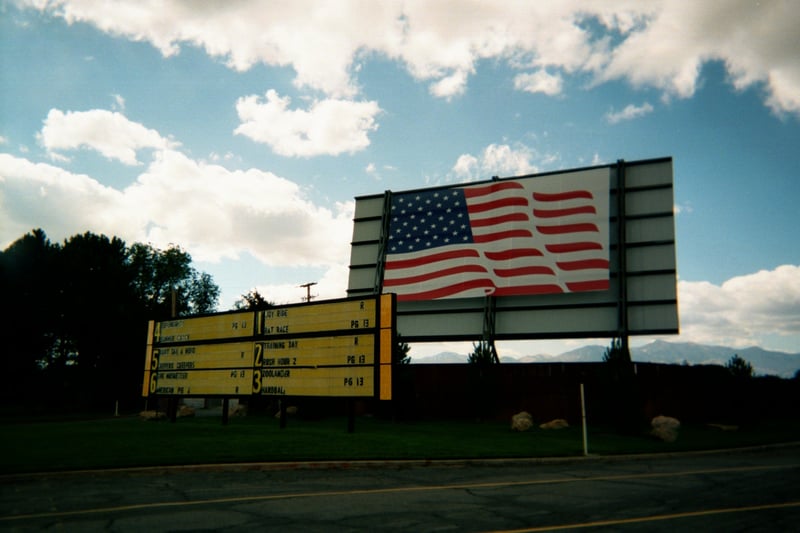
x,y
529,236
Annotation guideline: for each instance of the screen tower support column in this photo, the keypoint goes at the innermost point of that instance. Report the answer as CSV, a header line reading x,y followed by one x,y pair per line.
x,y
489,315
622,263
382,241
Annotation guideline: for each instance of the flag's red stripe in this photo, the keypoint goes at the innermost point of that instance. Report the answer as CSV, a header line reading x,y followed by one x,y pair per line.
x,y
433,275
560,196
472,192
514,201
513,253
520,290
596,285
524,271
500,235
448,291
491,221
569,211
585,264
568,247
567,228
430,258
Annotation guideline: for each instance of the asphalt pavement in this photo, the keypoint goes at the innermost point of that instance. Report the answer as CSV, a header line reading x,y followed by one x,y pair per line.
x,y
745,490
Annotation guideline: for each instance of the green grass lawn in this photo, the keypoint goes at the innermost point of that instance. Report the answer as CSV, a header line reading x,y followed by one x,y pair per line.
x,y
40,446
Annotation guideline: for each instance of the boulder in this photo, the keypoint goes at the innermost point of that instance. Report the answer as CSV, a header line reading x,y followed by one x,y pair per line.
x,y
522,421
185,411
238,410
665,428
152,415
291,410
558,423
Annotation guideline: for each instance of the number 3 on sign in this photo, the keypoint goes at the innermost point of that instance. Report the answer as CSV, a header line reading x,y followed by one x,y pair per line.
x,y
256,381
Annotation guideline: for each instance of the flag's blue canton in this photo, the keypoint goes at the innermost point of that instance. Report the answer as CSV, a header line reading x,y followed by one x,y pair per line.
x,y
428,219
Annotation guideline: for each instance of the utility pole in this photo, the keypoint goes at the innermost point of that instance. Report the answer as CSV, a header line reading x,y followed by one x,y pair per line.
x,y
308,285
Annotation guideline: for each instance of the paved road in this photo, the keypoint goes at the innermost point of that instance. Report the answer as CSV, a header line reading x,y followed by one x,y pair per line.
x,y
757,490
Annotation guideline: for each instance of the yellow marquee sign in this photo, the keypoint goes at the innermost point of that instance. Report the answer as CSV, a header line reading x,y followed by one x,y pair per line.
x,y
339,348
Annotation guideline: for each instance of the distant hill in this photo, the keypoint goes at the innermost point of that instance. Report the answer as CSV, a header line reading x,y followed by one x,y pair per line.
x,y
765,362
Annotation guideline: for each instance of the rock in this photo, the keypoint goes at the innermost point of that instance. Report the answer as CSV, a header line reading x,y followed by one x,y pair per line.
x,y
291,410
152,415
665,428
558,423
185,411
238,410
522,421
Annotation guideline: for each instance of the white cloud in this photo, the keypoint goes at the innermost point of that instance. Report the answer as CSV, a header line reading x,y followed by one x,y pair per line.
x,y
629,113
467,166
743,310
686,208
119,102
757,42
539,82
496,160
37,195
452,85
107,132
212,212
327,127
219,213
655,44
330,285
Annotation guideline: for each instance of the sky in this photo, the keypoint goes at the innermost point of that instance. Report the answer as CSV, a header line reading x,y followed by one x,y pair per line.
x,y
243,131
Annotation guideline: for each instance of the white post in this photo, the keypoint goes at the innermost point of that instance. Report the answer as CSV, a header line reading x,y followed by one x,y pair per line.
x,y
583,422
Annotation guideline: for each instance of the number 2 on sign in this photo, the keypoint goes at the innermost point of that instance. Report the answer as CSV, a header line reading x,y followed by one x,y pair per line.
x,y
258,356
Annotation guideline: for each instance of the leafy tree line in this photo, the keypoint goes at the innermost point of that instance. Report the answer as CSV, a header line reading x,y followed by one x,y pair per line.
x,y
75,316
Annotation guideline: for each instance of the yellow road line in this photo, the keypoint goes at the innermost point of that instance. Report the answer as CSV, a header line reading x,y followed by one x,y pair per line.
x,y
390,490
654,518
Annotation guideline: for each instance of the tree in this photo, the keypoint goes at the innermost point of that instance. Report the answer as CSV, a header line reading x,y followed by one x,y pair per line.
x,y
253,300
400,353
26,268
76,315
616,354
739,368
203,293
483,380
481,354
621,388
158,275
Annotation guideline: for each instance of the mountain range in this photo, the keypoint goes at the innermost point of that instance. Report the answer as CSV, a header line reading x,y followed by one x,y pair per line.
x,y
764,362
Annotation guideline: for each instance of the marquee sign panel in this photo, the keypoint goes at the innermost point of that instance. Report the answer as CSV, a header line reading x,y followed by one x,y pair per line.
x,y
336,348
